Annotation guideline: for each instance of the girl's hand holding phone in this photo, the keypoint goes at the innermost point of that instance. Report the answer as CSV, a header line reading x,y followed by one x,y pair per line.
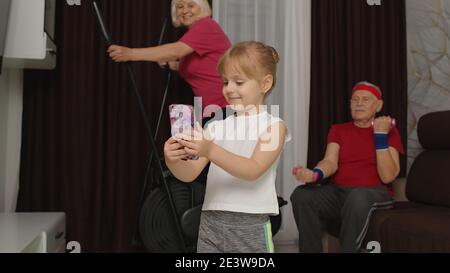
x,y
174,151
198,144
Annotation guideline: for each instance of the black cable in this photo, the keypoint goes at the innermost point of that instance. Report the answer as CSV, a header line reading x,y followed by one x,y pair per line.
x,y
148,186
150,134
169,75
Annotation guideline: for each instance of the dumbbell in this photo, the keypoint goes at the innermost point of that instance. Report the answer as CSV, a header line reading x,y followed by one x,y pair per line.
x,y
393,122
295,170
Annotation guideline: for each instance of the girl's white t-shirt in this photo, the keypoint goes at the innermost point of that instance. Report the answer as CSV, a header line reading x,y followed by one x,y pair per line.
x,y
224,192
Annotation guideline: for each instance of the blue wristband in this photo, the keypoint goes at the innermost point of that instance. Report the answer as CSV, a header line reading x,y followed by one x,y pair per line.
x,y
319,172
381,141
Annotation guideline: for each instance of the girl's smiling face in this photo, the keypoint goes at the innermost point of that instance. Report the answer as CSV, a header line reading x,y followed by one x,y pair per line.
x,y
242,92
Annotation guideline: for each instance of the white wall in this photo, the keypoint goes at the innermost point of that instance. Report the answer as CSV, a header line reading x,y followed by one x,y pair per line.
x,y
11,86
428,64
27,46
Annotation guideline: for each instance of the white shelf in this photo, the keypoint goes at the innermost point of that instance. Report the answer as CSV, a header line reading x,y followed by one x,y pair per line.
x,y
27,44
32,232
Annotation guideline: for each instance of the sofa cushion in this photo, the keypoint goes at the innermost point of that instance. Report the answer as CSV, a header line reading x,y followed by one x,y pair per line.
x,y
411,227
429,179
434,131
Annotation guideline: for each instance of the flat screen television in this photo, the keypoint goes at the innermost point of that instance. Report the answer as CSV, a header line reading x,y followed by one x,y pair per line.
x,y
4,16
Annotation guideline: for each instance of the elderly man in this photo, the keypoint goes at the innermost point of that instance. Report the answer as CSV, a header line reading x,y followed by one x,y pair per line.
x,y
362,157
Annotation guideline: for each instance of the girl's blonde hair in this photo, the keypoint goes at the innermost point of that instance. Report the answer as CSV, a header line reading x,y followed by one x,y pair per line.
x,y
255,59
204,5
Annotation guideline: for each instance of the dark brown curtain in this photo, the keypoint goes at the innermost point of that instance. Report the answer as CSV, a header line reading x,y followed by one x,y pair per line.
x,y
84,145
351,42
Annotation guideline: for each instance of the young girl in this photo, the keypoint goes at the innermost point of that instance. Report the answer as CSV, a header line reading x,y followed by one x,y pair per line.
x,y
244,151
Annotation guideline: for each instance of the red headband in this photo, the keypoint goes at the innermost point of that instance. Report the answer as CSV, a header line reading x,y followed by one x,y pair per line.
x,y
366,87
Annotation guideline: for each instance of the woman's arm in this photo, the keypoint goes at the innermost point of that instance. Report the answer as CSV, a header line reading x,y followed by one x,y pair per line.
x,y
173,65
163,53
267,150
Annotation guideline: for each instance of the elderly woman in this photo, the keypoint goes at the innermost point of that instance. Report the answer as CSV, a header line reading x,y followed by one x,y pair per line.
x,y
194,56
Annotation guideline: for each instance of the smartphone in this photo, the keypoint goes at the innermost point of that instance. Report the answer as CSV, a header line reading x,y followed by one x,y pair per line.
x,y
182,121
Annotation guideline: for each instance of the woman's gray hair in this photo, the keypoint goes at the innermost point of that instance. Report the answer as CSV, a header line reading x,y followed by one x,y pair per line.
x,y
204,5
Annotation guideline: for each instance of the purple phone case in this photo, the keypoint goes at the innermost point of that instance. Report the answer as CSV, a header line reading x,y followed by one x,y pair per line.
x,y
182,120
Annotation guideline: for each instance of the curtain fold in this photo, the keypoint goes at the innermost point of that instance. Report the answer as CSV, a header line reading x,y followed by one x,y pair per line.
x,y
351,42
84,144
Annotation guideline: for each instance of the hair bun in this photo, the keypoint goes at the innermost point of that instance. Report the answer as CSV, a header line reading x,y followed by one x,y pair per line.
x,y
275,55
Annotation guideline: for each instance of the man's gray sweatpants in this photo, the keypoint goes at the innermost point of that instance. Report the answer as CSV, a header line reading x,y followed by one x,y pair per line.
x,y
315,207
